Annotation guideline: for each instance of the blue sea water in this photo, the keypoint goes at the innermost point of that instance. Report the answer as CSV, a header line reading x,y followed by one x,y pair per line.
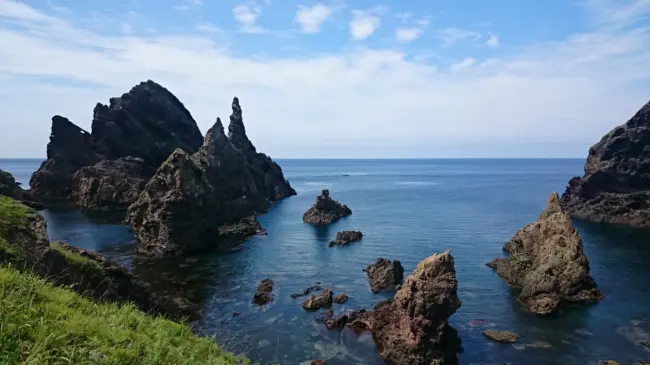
x,y
407,210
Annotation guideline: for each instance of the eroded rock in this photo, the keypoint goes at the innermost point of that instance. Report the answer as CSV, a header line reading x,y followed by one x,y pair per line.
x,y
307,291
263,294
318,301
501,336
326,210
547,261
346,237
384,274
341,298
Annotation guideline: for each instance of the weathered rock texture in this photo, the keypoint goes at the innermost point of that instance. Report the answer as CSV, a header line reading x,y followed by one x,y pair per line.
x,y
147,123
326,210
546,260
341,298
197,201
263,293
412,328
85,272
384,274
615,187
346,237
10,188
318,301
501,336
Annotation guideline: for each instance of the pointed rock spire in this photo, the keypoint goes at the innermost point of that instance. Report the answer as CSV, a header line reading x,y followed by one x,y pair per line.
x,y
215,138
236,129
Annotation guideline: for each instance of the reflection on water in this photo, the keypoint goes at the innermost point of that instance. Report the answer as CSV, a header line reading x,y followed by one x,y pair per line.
x,y
471,207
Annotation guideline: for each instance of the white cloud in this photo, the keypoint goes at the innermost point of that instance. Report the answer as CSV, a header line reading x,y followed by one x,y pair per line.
x,y
467,62
493,40
451,36
189,4
363,24
311,18
406,35
246,15
369,102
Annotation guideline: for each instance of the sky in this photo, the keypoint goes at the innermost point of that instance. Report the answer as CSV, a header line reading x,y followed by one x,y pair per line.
x,y
338,79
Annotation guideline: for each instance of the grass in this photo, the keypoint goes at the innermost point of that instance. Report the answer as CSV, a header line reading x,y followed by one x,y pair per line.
x,y
42,324
74,259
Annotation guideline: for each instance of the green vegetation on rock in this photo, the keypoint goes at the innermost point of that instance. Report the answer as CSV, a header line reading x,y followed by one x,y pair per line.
x,y
12,216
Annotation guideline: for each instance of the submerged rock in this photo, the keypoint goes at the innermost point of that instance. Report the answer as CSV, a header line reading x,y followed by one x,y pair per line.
x,y
307,291
318,301
147,123
615,187
547,261
346,237
384,274
501,336
341,298
9,187
263,294
326,210
412,328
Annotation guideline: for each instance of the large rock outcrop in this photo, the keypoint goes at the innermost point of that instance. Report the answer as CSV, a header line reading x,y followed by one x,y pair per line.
x,y
147,123
547,261
615,187
326,210
384,274
195,201
412,328
9,187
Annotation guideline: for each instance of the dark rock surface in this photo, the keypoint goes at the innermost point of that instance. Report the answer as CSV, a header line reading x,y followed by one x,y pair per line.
x,y
326,210
346,237
318,301
615,187
501,336
384,274
263,293
547,261
341,298
307,291
197,201
148,123
318,362
9,187
412,328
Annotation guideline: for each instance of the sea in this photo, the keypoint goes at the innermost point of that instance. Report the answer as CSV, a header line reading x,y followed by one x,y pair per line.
x,y
407,210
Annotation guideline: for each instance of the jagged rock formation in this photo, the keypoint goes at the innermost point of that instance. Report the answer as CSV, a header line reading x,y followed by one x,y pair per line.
x,y
615,187
346,237
195,201
9,187
263,293
318,301
25,244
326,210
148,123
307,291
384,274
412,328
546,260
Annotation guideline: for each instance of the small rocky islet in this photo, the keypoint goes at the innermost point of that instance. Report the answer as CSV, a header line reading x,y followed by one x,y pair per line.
x,y
183,193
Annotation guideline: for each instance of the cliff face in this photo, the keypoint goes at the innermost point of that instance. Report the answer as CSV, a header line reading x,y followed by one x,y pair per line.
x,y
616,185
147,123
194,201
547,262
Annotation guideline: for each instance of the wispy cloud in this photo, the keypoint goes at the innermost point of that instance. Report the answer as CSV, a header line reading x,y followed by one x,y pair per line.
x,y
493,40
311,18
452,35
189,4
413,32
246,15
364,23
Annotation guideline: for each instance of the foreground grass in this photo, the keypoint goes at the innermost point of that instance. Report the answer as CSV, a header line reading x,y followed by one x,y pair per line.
x,y
12,216
42,324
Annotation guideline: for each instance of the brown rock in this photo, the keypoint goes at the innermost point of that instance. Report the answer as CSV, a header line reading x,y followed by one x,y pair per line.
x,y
384,274
615,185
546,260
326,210
307,291
341,298
263,294
346,237
318,362
318,301
610,362
501,336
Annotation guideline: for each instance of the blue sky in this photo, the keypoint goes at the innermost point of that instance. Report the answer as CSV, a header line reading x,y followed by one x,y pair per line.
x,y
366,78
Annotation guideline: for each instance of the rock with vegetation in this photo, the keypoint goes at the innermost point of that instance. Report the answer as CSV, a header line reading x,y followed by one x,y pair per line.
x,y
384,274
147,123
501,336
24,244
412,328
346,237
547,261
194,202
263,293
11,188
326,210
615,187
318,301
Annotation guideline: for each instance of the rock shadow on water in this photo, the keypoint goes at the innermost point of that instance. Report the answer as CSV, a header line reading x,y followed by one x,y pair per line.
x,y
322,233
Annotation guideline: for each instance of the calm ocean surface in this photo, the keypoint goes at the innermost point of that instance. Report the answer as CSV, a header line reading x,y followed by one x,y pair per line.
x,y
407,210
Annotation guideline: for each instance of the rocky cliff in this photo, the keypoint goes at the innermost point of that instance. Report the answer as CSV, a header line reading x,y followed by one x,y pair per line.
x,y
615,187
194,201
547,261
144,126
9,187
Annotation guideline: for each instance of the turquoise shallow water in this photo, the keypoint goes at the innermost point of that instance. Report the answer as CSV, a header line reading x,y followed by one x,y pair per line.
x,y
407,210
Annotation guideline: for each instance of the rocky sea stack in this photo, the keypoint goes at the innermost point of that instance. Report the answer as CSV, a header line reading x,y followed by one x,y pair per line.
x,y
412,328
546,260
196,201
346,237
105,169
326,210
616,185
